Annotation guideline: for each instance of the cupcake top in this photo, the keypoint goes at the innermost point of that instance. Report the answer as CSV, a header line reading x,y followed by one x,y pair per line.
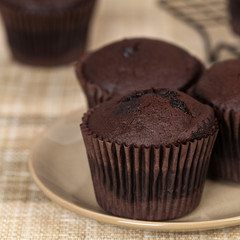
x,y
152,117
220,85
140,63
42,5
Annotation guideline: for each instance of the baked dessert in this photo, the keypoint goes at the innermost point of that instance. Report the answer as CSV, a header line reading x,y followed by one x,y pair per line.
x,y
220,88
135,64
234,9
46,32
149,152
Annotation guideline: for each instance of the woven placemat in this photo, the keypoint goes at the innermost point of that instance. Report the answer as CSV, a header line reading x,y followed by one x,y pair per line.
x,y
30,99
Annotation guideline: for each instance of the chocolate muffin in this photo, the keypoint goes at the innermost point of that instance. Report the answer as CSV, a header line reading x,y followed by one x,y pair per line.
x,y
135,64
234,9
149,152
46,32
220,88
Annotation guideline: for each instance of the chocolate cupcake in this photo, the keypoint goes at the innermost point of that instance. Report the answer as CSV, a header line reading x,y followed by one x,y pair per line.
x,y
220,88
135,64
149,152
234,9
46,32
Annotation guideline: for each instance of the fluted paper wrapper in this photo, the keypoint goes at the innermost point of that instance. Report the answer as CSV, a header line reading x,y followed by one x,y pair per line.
x,y
148,183
225,161
47,38
93,92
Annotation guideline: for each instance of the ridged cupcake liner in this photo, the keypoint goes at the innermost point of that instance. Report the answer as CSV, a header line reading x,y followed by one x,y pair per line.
x,y
147,183
53,38
225,161
94,93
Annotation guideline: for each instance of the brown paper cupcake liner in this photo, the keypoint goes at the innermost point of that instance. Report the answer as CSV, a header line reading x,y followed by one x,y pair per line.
x,y
148,183
225,161
52,38
94,93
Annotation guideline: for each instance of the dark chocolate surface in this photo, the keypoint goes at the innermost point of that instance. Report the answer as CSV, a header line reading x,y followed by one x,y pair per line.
x,y
220,85
152,117
140,63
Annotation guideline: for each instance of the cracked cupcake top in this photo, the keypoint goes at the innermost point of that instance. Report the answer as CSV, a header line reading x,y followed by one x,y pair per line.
x,y
140,63
152,117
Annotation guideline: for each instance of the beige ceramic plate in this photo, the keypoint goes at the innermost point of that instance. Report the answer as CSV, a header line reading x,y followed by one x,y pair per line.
x,y
59,166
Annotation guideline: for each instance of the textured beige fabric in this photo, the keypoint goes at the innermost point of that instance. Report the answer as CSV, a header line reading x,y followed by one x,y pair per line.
x,y
31,98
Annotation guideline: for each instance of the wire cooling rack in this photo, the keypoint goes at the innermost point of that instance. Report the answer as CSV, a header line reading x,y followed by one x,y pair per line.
x,y
204,16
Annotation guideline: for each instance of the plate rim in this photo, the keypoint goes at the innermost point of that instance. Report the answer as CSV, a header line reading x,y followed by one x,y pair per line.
x,y
163,226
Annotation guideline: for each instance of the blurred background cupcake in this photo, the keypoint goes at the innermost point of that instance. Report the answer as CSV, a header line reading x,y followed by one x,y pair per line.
x,y
234,8
47,32
220,88
136,63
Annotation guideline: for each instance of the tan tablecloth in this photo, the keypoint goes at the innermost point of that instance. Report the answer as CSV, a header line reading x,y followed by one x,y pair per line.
x,y
31,98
